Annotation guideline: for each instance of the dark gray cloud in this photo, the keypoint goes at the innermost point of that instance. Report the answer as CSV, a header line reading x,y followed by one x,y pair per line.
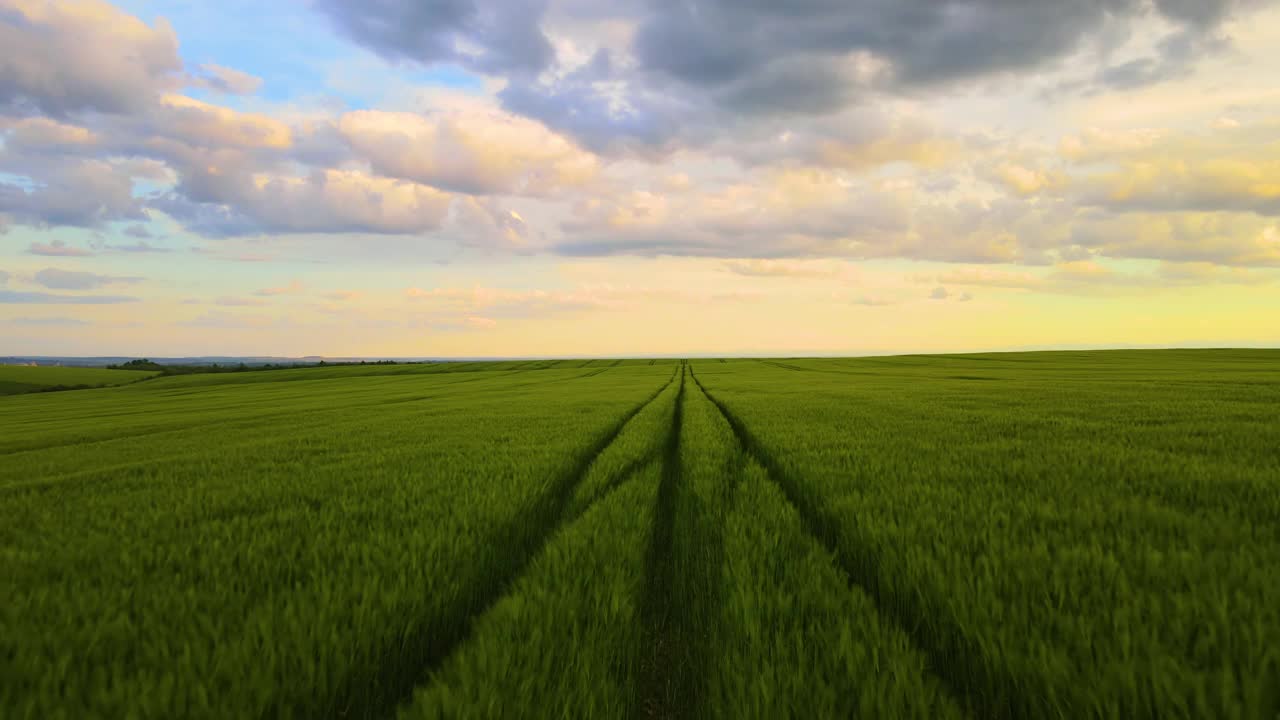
x,y
490,37
56,279
577,107
1175,57
713,43
698,65
40,298
1201,13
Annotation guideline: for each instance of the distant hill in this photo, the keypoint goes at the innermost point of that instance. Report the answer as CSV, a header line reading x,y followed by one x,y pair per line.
x,y
103,361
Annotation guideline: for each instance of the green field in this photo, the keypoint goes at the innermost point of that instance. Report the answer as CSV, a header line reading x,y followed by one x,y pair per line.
x,y
1021,535
17,379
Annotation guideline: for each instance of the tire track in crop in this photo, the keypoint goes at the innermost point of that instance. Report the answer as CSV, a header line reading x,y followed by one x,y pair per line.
x,y
107,473
957,663
418,657
152,432
784,366
664,688
869,373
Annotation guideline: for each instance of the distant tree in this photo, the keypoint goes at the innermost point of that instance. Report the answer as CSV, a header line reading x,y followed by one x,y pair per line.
x,y
139,364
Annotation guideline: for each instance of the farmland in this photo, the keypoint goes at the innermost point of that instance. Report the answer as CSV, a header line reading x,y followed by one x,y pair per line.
x,y
1073,534
17,379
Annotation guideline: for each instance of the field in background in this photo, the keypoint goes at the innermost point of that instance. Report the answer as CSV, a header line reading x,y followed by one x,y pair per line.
x,y
18,379
1079,534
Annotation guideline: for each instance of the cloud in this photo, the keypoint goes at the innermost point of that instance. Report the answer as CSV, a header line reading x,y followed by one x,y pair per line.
x,y
141,246
56,279
73,55
343,295
502,303
39,298
328,201
1231,168
799,213
293,288
1024,181
694,68
469,152
489,37
1203,273
482,222
769,135
788,57
50,322
986,277
1174,57
58,248
42,133
782,268
1224,238
201,124
1092,277
872,301
225,80
587,105
229,301
481,322
78,193
461,324
451,303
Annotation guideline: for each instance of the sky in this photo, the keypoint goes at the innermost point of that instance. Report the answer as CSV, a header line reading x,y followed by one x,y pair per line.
x,y
566,178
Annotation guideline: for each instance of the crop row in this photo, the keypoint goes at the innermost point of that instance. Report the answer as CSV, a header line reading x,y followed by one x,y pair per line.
x,y
885,537
1078,548
19,379
691,589
309,573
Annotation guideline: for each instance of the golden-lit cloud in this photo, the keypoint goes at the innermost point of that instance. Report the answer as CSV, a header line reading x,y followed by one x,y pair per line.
x,y
479,152
203,124
83,55
43,132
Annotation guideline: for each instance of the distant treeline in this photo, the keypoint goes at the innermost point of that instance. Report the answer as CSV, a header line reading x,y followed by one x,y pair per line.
x,y
145,364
